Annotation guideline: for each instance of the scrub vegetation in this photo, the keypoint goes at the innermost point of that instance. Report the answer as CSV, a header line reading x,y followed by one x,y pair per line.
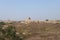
x,y
31,31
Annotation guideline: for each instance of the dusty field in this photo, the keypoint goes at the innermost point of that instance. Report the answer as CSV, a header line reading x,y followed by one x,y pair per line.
x,y
39,31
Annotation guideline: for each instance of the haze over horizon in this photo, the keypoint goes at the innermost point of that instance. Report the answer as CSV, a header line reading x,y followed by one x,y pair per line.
x,y
36,9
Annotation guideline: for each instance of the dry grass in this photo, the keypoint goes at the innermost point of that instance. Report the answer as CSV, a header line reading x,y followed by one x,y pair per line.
x,y
39,31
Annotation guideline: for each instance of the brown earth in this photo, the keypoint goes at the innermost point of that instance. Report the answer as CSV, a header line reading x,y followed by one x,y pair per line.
x,y
39,31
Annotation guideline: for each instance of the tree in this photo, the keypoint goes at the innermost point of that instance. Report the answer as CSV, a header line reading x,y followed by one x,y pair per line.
x,y
47,20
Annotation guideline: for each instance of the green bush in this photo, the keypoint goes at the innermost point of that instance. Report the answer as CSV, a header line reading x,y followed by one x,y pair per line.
x,y
2,23
9,34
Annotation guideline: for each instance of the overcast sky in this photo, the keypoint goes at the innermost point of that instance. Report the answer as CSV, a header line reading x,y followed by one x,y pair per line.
x,y
36,9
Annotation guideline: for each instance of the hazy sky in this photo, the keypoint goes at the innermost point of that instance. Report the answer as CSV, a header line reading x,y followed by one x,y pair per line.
x,y
36,9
